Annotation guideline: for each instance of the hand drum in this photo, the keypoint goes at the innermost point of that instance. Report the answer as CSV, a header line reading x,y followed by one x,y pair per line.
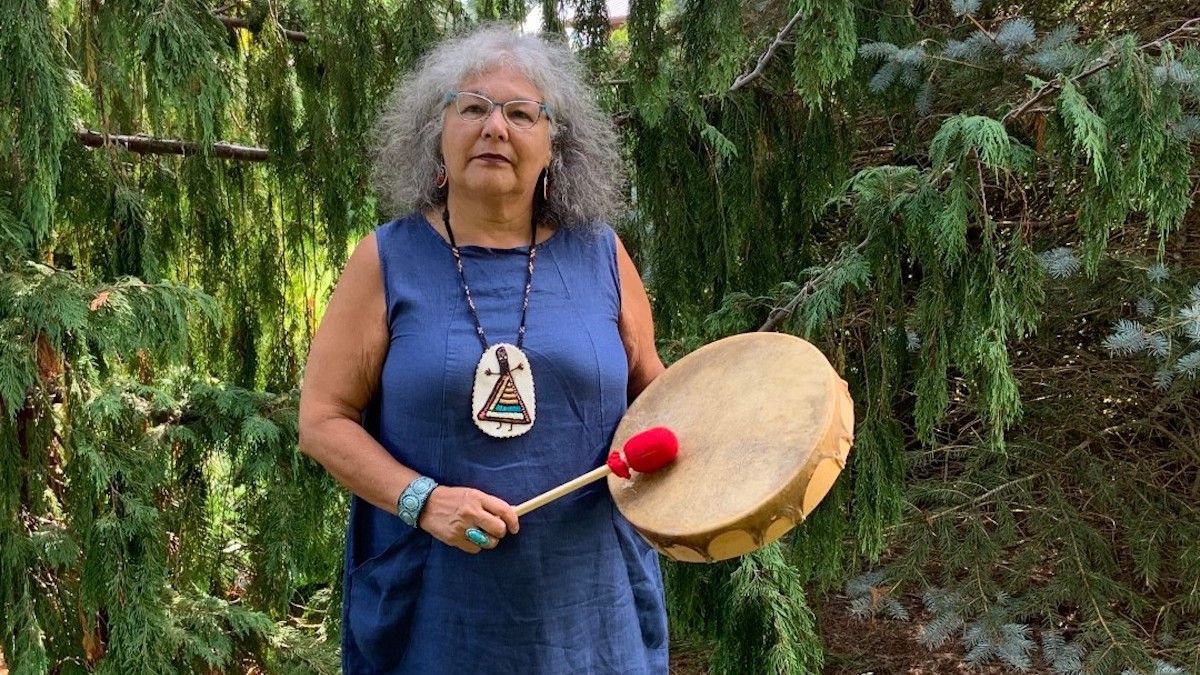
x,y
764,426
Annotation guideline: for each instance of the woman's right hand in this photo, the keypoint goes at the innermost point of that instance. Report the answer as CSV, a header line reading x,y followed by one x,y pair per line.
x,y
450,511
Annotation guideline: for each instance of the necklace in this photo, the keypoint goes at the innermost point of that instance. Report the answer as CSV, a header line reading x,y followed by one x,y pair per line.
x,y
502,399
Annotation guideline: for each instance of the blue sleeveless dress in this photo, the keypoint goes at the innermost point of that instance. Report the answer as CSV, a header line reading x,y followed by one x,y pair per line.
x,y
577,590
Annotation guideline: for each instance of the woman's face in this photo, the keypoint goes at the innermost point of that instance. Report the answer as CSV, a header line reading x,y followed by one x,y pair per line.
x,y
490,157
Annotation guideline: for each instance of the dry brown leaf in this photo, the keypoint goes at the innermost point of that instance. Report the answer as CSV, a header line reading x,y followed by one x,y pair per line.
x,y
100,301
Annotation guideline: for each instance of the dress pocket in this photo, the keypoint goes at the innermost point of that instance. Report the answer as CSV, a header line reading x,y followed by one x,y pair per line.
x,y
381,599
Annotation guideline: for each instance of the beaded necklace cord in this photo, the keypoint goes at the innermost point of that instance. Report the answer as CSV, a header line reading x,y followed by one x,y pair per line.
x,y
467,289
503,401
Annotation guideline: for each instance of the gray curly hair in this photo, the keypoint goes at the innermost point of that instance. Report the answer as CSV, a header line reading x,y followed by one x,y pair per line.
x,y
585,170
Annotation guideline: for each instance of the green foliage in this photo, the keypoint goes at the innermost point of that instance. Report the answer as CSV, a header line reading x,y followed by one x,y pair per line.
x,y
920,214
869,598
753,610
149,506
825,40
848,271
878,474
33,126
1172,338
978,137
182,50
955,361
107,511
1088,134
1059,507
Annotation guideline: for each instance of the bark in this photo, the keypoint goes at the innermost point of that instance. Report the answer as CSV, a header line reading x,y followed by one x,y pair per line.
x,y
236,22
166,146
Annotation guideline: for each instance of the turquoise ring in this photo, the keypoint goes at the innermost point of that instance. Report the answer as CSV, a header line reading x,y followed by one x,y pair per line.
x,y
478,537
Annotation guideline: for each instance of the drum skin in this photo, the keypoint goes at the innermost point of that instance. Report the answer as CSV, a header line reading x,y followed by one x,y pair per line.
x,y
764,425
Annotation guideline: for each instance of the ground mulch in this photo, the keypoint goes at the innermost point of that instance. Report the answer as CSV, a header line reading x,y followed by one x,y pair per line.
x,y
874,647
885,646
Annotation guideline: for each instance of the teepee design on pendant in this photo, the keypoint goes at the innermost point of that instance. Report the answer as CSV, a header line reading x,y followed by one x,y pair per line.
x,y
504,404
503,399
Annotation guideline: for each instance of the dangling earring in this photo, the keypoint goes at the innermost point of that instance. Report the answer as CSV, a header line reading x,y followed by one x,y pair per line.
x,y
440,178
546,184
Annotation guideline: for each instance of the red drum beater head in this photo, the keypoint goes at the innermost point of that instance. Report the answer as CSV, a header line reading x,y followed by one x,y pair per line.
x,y
645,452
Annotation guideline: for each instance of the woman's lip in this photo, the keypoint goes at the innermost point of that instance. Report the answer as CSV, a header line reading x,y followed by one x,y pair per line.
x,y
492,158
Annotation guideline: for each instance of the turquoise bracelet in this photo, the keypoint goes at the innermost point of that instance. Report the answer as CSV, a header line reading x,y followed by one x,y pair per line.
x,y
412,500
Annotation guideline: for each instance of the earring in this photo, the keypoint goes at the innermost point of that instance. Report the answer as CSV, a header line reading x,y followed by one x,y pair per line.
x,y
440,178
546,184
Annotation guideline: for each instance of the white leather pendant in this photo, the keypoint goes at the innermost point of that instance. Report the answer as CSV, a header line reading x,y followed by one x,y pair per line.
x,y
502,401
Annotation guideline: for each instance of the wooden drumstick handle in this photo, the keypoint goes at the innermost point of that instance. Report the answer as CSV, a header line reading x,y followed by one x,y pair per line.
x,y
566,488
647,451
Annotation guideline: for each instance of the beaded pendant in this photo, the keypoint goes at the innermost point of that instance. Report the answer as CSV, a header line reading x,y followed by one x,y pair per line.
x,y
502,401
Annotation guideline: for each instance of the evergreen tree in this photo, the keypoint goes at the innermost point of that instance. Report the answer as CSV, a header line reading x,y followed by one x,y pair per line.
x,y
912,216
978,211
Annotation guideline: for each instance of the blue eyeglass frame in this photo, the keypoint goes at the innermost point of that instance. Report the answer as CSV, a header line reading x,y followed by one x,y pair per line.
x,y
452,96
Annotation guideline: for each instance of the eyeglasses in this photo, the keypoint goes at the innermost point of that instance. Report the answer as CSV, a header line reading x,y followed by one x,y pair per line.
x,y
519,113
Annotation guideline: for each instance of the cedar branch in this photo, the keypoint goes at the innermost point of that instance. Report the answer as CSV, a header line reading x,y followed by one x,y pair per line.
x,y
237,22
166,146
749,77
780,314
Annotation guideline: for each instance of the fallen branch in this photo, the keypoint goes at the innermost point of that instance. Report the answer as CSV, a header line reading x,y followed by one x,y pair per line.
x,y
165,146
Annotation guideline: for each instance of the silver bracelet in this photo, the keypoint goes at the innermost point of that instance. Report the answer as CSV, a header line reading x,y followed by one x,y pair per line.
x,y
412,500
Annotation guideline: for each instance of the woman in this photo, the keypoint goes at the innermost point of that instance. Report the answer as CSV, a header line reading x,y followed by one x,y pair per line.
x,y
475,354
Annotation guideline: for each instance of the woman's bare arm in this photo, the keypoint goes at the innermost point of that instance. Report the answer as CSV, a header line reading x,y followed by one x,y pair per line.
x,y
342,375
636,325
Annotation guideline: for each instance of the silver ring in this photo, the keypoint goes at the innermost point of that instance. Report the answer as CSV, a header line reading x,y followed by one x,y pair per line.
x,y
478,537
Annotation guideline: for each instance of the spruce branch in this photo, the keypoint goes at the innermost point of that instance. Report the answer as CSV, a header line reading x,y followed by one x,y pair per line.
x,y
1106,61
964,7
870,596
981,499
1077,558
779,40
983,31
958,62
167,146
878,50
1158,273
1016,33
1060,263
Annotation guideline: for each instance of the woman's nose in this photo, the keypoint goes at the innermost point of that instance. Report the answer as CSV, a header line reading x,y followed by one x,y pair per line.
x,y
495,126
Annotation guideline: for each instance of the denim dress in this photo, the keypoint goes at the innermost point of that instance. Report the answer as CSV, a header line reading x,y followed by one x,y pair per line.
x,y
577,590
